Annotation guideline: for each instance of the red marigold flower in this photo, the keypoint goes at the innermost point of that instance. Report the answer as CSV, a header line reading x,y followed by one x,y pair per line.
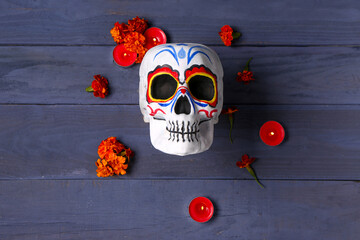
x,y
227,34
100,86
245,77
129,153
119,31
137,25
229,110
245,161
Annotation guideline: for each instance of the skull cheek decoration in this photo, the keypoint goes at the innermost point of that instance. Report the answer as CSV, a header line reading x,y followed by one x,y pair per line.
x,y
181,96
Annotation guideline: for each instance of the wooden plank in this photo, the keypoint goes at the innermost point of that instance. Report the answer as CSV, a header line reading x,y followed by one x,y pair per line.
x,y
144,209
60,142
262,22
284,75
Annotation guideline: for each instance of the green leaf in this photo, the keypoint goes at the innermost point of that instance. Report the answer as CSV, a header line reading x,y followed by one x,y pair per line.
x,y
89,89
236,35
251,171
247,67
231,119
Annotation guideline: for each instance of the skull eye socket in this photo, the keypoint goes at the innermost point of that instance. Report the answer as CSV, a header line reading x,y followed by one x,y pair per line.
x,y
202,87
163,86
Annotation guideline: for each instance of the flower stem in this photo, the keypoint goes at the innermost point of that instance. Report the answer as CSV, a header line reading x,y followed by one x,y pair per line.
x,y
251,171
247,65
231,119
89,89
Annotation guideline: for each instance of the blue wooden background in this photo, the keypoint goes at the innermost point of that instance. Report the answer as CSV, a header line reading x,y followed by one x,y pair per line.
x,y
307,67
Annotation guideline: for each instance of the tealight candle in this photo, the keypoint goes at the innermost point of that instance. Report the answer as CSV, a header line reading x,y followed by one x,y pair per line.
x,y
154,36
272,133
201,209
123,57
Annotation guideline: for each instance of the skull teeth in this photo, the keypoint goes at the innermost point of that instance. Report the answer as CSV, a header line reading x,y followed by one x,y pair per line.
x,y
183,131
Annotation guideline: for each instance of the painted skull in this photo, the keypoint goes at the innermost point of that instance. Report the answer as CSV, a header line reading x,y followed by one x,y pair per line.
x,y
181,96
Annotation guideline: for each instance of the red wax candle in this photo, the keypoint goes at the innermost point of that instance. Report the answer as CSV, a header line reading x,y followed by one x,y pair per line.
x,y
201,209
123,57
272,133
154,36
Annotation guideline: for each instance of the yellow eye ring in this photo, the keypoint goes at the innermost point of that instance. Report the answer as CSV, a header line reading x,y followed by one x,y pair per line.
x,y
214,98
151,83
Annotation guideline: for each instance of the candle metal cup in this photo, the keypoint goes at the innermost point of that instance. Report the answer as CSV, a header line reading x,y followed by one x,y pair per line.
x,y
201,209
272,133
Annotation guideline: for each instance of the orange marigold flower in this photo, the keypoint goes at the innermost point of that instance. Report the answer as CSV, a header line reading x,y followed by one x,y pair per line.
x,y
119,31
137,25
134,41
114,158
109,146
245,77
118,165
104,170
226,35
99,86
141,53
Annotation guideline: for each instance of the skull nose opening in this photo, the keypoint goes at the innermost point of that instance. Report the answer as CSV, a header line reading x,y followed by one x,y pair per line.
x,y
182,105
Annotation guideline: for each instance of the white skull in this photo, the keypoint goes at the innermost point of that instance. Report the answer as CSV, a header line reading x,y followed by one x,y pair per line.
x,y
181,96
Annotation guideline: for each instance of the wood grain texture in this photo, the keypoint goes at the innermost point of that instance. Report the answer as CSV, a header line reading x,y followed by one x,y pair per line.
x,y
284,75
60,142
145,209
262,22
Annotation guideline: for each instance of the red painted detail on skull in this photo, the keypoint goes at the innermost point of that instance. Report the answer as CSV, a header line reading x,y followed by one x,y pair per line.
x,y
209,115
202,70
183,90
153,112
157,71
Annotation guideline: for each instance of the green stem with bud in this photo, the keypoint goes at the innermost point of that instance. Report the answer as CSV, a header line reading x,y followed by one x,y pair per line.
x,y
247,67
231,119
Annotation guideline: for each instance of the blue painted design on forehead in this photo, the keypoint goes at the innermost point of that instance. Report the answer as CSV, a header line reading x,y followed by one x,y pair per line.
x,y
191,56
172,51
181,44
181,53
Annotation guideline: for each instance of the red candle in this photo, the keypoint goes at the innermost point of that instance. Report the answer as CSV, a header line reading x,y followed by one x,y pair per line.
x,y
154,36
272,133
201,209
123,57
